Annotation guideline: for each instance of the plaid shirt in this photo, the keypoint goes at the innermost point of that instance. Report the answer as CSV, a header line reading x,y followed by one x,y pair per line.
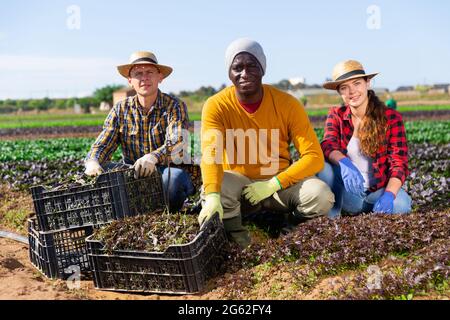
x,y
391,159
140,134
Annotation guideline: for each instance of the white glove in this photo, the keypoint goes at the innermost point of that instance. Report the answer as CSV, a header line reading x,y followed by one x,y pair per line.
x,y
258,191
212,205
93,168
144,166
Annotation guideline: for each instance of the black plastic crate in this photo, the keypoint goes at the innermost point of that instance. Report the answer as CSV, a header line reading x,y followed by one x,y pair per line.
x,y
56,253
181,269
114,195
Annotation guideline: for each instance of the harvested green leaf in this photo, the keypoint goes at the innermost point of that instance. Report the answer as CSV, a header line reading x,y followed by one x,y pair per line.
x,y
151,232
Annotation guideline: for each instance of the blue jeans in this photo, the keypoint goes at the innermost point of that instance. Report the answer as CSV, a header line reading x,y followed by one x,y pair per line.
x,y
180,185
352,203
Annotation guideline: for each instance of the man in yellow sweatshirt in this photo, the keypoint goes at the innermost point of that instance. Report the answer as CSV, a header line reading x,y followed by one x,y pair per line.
x,y
245,136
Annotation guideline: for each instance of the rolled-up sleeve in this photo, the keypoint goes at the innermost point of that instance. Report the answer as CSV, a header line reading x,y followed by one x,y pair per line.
x,y
176,136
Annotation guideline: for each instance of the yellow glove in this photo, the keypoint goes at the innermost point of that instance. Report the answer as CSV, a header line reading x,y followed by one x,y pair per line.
x,y
258,191
145,166
210,207
92,168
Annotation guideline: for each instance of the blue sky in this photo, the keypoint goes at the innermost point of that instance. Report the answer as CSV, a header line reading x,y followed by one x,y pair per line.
x,y
40,55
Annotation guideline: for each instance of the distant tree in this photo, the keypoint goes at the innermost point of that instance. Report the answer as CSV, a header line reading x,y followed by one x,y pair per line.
x,y
86,103
201,93
22,105
9,103
7,106
70,103
206,91
184,93
37,104
283,85
60,104
422,88
46,103
106,93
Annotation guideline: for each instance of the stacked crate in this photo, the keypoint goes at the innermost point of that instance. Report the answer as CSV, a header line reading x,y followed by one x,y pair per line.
x,y
66,217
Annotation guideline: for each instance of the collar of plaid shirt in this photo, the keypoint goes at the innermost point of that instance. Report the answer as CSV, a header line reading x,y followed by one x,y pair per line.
x,y
156,105
347,113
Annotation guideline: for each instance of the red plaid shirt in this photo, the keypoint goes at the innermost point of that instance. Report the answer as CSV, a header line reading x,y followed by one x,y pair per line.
x,y
391,159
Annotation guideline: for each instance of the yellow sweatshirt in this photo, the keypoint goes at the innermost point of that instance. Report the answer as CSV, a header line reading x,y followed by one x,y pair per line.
x,y
257,145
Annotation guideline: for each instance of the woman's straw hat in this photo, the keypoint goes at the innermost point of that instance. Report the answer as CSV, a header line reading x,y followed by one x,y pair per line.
x,y
345,71
140,58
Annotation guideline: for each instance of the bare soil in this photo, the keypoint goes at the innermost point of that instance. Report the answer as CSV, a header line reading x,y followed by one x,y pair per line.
x,y
13,201
20,281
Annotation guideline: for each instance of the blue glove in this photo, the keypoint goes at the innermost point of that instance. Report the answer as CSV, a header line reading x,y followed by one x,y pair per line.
x,y
352,178
385,204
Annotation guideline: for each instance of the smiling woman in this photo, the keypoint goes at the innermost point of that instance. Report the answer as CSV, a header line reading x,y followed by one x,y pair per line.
x,y
365,147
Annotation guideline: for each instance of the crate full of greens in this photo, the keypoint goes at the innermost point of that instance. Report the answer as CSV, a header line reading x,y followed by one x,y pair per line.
x,y
82,202
157,253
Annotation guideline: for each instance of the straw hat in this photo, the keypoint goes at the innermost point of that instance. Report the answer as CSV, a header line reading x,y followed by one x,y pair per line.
x,y
140,58
345,71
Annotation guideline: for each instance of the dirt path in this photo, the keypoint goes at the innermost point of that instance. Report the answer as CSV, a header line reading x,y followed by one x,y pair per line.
x,y
20,280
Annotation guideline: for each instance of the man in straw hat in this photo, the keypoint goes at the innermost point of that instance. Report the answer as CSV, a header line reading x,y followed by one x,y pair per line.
x,y
148,127
242,178
365,147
